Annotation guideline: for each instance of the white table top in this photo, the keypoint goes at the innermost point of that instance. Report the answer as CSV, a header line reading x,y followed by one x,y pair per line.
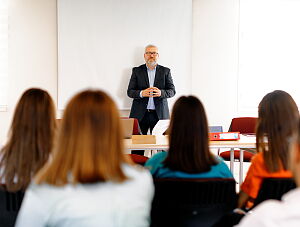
x,y
245,141
162,143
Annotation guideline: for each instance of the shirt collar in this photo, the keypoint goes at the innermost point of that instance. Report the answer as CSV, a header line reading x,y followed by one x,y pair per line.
x,y
151,69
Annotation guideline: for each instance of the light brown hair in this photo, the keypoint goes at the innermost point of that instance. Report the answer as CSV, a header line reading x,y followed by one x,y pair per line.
x,y
30,139
294,161
189,142
90,144
278,119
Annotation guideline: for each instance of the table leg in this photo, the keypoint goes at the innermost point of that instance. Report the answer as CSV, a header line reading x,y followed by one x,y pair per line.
x,y
241,166
231,160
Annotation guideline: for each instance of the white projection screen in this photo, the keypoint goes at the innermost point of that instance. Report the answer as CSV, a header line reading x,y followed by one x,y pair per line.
x,y
99,41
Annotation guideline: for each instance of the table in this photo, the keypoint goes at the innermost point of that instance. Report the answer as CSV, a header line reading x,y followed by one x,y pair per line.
x,y
162,144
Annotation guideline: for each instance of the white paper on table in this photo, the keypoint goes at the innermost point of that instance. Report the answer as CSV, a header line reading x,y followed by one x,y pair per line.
x,y
160,127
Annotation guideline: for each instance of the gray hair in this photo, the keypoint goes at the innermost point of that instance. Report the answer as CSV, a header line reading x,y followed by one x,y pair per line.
x,y
150,45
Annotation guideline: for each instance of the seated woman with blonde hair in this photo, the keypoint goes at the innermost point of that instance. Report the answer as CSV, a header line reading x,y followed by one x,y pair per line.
x,y
30,139
278,119
88,181
189,155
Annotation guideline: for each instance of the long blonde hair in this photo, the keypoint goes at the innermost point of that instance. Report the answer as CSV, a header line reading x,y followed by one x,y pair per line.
x,y
90,146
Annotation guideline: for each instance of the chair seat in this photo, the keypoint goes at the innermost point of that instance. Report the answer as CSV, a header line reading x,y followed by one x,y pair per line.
x,y
247,155
138,159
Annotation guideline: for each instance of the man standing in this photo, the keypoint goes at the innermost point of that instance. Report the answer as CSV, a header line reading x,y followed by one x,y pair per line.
x,y
150,85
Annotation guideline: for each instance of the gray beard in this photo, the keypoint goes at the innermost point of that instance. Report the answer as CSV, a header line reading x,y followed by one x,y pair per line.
x,y
153,63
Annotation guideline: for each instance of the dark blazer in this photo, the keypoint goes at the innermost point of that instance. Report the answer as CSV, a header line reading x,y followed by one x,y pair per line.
x,y
139,81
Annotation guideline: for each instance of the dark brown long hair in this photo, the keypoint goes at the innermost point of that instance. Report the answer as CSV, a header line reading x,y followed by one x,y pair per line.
x,y
189,148
90,144
278,119
30,139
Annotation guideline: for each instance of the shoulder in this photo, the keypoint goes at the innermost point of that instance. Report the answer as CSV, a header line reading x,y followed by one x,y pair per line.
x,y
159,157
259,157
139,177
262,215
222,167
137,173
155,164
257,161
141,67
163,68
40,191
220,161
44,195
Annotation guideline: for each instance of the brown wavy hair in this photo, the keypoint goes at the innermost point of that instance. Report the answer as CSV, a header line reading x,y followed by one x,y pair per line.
x,y
30,139
189,142
278,119
90,143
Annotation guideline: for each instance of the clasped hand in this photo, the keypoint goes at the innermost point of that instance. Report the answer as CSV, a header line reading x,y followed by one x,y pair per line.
x,y
151,92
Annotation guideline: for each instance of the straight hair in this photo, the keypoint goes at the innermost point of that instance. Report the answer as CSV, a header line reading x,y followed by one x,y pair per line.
x,y
278,119
89,148
189,142
30,139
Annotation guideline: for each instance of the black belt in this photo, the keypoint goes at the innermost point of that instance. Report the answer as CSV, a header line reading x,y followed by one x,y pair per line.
x,y
150,110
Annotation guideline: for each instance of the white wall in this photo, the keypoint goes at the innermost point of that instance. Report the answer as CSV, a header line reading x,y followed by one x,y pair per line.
x,y
215,58
111,41
33,55
32,52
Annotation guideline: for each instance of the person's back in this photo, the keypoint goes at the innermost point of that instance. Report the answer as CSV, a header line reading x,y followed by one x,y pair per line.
x,y
30,139
89,181
188,155
283,213
108,204
278,117
158,169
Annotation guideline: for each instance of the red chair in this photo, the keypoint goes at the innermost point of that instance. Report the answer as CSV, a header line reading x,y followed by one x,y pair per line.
x,y
138,159
244,125
136,128
136,131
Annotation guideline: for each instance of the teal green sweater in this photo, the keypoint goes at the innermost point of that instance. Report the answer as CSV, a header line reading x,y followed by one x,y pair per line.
x,y
158,170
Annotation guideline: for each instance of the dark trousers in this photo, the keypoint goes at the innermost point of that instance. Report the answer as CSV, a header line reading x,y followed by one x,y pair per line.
x,y
148,122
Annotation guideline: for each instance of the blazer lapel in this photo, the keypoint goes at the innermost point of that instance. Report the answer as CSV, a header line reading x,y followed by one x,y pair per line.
x,y
157,74
145,75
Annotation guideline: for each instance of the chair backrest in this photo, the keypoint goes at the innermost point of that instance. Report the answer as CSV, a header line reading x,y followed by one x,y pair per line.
x,y
138,159
274,188
243,125
10,203
127,125
191,202
136,128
